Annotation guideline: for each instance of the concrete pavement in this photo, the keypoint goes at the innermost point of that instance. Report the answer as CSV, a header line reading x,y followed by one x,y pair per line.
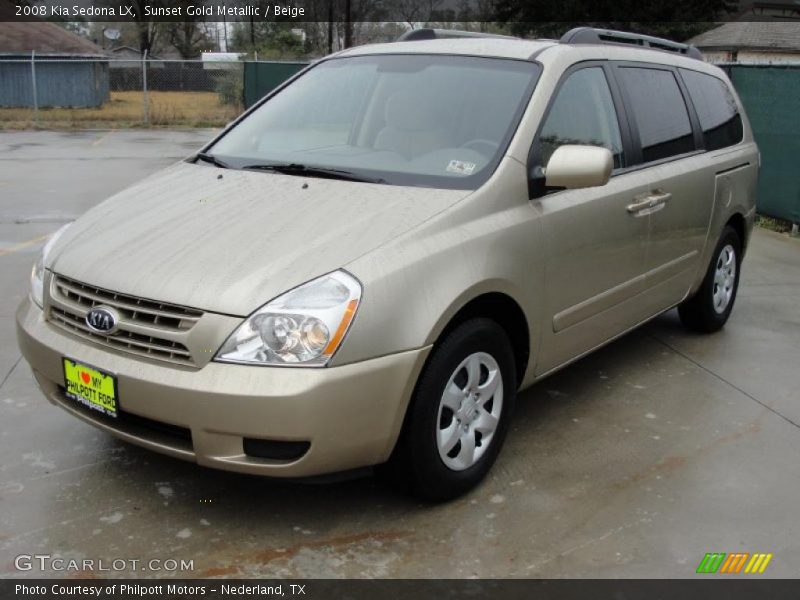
x,y
633,462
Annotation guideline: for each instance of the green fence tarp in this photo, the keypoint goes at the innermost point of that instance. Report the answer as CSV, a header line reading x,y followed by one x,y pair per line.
x,y
260,78
771,98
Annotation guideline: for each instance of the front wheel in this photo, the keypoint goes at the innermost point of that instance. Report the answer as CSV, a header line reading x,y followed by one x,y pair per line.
x,y
459,415
709,308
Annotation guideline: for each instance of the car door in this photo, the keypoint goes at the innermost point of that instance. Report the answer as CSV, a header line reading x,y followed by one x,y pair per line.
x,y
678,192
594,248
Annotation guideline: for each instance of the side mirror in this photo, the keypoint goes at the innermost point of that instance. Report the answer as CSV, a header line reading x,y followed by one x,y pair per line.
x,y
574,167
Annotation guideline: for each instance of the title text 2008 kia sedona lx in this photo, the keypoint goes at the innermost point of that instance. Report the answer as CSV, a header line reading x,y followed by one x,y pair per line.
x,y
370,263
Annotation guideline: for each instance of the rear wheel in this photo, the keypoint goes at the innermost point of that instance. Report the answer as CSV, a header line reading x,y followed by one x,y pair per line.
x,y
709,308
459,415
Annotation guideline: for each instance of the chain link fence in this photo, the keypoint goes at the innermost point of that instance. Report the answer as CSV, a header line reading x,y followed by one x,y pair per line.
x,y
80,92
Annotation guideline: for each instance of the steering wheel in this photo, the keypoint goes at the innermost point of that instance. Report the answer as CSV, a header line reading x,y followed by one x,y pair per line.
x,y
482,146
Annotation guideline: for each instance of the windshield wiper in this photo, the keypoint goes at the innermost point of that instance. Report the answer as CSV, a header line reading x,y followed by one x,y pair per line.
x,y
324,172
210,158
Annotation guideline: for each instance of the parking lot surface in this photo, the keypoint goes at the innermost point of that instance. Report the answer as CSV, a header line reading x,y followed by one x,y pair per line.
x,y
633,462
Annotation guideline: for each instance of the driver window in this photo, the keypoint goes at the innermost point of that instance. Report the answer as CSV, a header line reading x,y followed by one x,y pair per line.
x,y
582,113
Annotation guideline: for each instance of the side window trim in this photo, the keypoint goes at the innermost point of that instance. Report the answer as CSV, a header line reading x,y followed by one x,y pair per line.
x,y
699,139
535,185
637,157
624,117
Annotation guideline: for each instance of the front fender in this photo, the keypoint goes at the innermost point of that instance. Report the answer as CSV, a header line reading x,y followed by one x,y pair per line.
x,y
413,286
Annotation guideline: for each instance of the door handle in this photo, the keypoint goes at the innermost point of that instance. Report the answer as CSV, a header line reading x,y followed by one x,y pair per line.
x,y
640,205
648,202
659,197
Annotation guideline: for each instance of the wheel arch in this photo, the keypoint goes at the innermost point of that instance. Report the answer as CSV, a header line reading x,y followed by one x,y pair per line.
x,y
738,223
498,306
501,308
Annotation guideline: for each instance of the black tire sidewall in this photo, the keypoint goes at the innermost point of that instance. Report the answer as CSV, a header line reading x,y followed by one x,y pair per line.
x,y
714,319
430,477
698,313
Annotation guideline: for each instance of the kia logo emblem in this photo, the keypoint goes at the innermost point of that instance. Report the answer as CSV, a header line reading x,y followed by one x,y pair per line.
x,y
102,319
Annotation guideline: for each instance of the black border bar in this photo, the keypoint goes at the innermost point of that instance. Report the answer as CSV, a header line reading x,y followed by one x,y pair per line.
x,y
703,587
601,13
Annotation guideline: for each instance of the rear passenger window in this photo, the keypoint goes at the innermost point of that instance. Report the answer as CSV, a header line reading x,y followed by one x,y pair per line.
x,y
582,113
660,112
716,108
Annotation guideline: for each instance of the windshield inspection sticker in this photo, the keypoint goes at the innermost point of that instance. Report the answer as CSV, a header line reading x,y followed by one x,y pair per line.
x,y
461,167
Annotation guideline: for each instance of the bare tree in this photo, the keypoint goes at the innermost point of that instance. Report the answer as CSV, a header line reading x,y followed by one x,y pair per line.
x,y
148,30
415,11
189,36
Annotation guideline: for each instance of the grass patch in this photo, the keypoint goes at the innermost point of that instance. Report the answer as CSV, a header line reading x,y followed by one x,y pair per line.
x,y
773,224
126,109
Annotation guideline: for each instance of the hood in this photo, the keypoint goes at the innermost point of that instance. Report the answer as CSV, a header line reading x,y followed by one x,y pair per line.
x,y
229,241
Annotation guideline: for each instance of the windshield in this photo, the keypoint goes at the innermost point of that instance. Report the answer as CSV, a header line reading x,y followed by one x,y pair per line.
x,y
436,121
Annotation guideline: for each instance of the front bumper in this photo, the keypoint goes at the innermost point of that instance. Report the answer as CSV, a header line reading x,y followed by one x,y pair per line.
x,y
351,415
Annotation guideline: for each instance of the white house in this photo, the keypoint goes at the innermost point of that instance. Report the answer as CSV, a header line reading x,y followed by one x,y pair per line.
x,y
753,42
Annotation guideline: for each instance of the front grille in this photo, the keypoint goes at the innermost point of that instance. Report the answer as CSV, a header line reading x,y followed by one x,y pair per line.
x,y
146,327
131,308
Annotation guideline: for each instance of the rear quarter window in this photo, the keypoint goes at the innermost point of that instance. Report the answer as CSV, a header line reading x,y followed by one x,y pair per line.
x,y
660,112
716,109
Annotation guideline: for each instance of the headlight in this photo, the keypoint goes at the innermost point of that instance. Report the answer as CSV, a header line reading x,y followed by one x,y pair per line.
x,y
303,327
37,272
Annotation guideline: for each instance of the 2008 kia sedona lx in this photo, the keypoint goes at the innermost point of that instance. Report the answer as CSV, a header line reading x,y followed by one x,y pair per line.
x,y
371,262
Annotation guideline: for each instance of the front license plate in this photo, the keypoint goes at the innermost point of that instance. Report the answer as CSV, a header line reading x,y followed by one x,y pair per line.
x,y
91,387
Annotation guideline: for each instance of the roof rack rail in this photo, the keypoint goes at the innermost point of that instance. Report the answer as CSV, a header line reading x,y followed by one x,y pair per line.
x,y
590,35
416,35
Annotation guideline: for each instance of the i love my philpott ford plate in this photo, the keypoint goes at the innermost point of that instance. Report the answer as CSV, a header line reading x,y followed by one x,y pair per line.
x,y
91,387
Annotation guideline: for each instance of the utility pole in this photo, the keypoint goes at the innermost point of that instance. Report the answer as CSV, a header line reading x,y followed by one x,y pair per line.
x,y
146,105
348,25
33,85
225,29
330,26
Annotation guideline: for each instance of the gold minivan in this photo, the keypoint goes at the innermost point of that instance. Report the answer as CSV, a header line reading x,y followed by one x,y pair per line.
x,y
367,266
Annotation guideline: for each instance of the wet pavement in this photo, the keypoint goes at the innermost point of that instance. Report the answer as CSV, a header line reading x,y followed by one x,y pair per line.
x,y
633,462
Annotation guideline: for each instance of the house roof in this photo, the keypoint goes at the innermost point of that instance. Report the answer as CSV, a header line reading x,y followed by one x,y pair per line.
x,y
128,51
43,38
765,35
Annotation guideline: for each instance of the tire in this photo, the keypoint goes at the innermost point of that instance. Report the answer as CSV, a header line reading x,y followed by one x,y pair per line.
x,y
708,310
477,351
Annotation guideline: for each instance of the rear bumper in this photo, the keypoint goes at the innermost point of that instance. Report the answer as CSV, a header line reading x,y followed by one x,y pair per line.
x,y
350,415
